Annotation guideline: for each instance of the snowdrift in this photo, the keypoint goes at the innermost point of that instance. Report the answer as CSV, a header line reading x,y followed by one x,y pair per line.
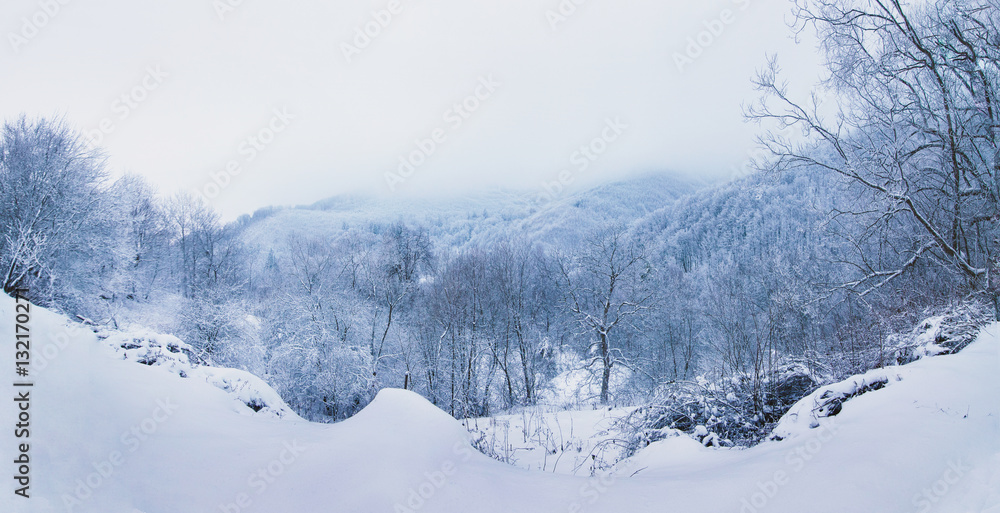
x,y
818,408
170,353
109,435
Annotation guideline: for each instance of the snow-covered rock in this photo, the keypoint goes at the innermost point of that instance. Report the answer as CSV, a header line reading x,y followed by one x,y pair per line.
x,y
167,352
828,401
943,333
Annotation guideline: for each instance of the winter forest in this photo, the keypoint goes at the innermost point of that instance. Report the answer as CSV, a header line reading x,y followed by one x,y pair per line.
x,y
706,307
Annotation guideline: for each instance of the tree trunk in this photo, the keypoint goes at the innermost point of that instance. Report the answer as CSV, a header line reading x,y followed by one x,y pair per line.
x,y
606,374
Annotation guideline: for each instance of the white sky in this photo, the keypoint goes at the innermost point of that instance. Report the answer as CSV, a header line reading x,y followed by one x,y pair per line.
x,y
352,121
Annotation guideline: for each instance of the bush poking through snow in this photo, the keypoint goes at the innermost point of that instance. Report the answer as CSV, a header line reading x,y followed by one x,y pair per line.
x,y
729,412
946,332
570,442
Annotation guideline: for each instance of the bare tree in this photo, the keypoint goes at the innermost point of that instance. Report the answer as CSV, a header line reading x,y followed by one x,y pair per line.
x,y
195,227
607,287
391,273
456,304
143,235
915,127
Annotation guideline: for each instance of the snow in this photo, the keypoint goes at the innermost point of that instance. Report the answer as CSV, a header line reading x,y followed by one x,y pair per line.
x,y
251,394
577,383
925,341
943,333
572,442
927,443
818,408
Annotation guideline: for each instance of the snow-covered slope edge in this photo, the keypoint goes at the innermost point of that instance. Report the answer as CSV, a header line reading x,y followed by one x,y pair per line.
x,y
111,436
938,335
813,410
170,353
927,434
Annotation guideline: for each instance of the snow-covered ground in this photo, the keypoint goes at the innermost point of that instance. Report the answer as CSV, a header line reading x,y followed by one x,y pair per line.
x,y
109,435
250,394
571,442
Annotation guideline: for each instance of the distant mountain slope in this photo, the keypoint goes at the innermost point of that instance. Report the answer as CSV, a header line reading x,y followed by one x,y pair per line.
x,y
479,218
751,216
566,219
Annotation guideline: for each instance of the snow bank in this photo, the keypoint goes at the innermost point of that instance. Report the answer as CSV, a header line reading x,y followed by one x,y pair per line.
x,y
111,436
827,401
923,437
167,352
253,395
401,411
677,450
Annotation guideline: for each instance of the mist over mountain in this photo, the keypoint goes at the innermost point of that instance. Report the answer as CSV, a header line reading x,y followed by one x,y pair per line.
x,y
559,220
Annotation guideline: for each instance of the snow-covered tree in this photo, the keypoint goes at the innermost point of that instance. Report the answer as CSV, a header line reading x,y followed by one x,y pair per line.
x,y
913,127
608,286
51,199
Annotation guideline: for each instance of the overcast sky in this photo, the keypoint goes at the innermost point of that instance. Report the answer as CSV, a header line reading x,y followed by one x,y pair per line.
x,y
201,77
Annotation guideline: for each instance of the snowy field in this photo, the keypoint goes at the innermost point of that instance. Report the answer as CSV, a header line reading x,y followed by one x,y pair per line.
x,y
109,435
573,442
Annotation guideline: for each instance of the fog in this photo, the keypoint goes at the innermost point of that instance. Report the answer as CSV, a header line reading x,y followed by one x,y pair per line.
x,y
289,103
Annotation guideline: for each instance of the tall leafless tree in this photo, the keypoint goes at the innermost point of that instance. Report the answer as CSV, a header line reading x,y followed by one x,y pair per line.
x,y
914,126
607,287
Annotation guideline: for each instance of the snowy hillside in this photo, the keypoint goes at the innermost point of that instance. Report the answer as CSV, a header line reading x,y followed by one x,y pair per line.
x,y
109,435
